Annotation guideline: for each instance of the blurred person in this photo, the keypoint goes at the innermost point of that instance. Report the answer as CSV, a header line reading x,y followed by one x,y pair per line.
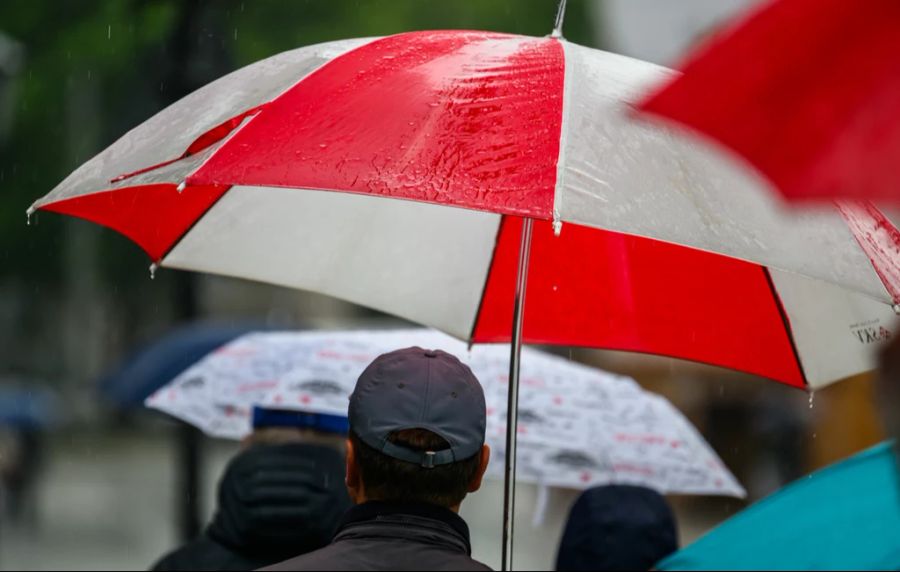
x,y
283,494
416,448
21,462
887,390
617,527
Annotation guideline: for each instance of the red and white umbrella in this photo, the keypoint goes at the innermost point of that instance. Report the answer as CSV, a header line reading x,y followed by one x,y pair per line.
x,y
232,180
396,173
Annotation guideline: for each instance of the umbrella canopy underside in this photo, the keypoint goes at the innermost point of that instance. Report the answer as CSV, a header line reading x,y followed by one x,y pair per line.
x,y
438,143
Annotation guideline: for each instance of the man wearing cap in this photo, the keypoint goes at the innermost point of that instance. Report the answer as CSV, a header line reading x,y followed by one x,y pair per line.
x,y
282,495
416,448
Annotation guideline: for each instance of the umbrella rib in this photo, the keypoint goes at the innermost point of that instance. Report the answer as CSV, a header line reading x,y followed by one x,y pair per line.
x,y
188,230
786,321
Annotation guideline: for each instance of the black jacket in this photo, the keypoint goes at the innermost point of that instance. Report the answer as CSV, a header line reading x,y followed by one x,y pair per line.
x,y
617,527
275,501
385,536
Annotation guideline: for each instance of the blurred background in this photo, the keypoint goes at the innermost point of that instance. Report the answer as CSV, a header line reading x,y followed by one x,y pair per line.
x,y
88,480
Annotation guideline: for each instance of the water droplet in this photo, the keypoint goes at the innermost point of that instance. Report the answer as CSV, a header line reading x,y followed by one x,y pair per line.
x,y
28,215
812,396
153,268
323,145
896,308
557,223
109,31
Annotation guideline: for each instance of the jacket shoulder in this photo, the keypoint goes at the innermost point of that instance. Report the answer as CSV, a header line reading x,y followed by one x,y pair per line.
x,y
349,555
203,554
326,558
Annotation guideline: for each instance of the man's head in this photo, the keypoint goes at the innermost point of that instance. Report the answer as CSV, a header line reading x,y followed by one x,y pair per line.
x,y
617,527
417,425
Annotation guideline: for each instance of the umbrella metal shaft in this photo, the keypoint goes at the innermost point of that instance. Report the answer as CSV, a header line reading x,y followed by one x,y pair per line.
x,y
512,405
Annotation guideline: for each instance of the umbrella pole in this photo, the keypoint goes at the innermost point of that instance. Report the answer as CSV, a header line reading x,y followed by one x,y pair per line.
x,y
512,404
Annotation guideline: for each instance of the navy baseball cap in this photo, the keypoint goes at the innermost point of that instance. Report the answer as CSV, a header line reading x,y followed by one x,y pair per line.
x,y
414,388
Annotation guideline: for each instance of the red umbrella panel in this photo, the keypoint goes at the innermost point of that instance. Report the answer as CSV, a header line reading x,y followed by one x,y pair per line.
x,y
393,172
806,91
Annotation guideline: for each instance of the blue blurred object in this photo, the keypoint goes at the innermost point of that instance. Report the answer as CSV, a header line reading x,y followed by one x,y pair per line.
x,y
158,363
843,517
27,409
263,417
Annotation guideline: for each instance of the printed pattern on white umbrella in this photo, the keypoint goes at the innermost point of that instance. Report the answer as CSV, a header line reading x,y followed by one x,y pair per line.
x,y
578,426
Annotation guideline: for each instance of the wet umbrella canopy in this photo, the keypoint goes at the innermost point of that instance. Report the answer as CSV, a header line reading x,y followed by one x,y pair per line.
x,y
396,172
231,180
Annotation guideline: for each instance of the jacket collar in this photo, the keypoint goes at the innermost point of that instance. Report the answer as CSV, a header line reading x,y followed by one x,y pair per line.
x,y
389,513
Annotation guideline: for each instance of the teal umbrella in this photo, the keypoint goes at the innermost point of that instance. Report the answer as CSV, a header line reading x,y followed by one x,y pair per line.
x,y
846,516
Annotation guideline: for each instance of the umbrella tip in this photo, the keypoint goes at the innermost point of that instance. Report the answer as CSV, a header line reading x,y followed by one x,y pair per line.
x,y
28,214
181,186
153,268
560,17
896,308
557,223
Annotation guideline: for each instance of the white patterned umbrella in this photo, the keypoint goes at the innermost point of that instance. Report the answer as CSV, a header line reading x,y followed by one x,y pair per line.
x,y
578,426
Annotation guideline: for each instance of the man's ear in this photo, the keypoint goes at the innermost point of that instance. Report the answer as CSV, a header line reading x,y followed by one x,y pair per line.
x,y
352,479
482,467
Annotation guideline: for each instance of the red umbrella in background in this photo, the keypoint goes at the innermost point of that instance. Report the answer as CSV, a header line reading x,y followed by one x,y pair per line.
x,y
807,91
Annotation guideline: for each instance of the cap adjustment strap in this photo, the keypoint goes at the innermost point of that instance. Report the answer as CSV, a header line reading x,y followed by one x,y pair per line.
x,y
425,459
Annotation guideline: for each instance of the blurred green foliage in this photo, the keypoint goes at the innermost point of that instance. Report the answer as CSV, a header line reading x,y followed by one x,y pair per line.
x,y
93,69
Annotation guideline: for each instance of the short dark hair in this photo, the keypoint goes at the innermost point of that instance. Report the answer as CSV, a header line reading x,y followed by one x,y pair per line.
x,y
388,479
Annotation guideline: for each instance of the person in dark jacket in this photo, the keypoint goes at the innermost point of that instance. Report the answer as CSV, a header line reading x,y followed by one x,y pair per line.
x,y
284,494
617,527
416,448
887,389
